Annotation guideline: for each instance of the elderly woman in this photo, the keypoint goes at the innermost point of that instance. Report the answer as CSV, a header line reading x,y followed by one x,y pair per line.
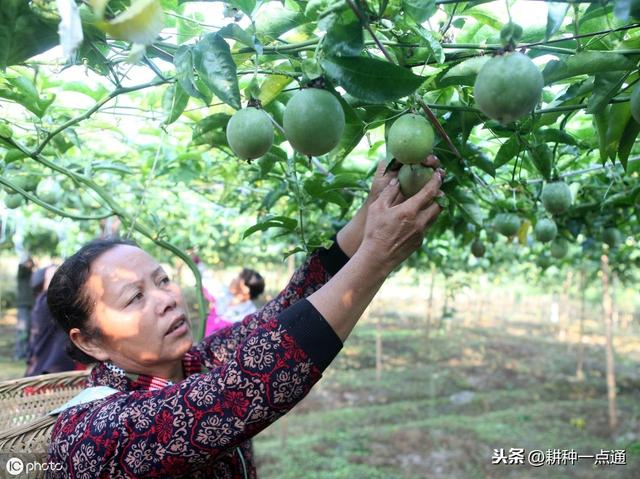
x,y
189,411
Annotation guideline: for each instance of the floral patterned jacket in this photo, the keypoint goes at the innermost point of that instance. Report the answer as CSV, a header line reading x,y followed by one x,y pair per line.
x,y
238,381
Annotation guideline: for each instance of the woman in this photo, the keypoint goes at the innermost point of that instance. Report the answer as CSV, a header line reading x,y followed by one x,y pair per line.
x,y
190,411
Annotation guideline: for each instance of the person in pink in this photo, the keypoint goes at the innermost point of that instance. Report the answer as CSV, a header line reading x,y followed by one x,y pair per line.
x,y
231,304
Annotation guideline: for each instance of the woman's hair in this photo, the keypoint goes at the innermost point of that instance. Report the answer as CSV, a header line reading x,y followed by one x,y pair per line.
x,y
254,281
68,300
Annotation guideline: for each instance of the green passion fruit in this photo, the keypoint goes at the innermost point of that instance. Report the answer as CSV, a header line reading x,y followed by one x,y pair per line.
x,y
559,248
13,200
49,191
410,139
508,87
478,249
313,121
507,224
545,230
612,237
556,197
413,177
250,133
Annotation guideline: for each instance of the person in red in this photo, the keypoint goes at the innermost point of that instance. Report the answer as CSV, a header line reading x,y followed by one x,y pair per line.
x,y
185,410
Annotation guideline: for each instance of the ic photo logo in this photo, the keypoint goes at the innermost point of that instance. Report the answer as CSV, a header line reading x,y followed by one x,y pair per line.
x,y
15,466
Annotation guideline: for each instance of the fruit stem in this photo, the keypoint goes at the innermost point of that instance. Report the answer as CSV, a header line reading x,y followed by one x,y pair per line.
x,y
366,25
443,134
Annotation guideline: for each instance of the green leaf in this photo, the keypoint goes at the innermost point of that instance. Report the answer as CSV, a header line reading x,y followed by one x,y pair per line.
x,y
618,117
96,93
273,22
542,159
555,16
23,34
485,17
183,61
22,90
174,101
464,73
344,36
216,68
553,135
419,10
371,80
585,63
272,87
605,87
507,151
627,140
211,130
234,32
354,130
245,6
432,42
288,224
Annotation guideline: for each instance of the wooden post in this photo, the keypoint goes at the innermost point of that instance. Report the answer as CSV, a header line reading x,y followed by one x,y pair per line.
x,y
378,349
607,309
583,297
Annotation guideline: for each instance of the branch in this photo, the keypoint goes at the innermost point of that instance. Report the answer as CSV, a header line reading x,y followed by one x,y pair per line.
x,y
47,206
118,211
366,25
92,110
587,170
438,126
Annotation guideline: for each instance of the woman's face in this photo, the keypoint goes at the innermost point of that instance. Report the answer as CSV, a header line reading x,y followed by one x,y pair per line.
x,y
139,312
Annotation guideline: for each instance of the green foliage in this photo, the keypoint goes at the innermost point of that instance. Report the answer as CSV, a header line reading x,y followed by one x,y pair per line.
x,y
148,142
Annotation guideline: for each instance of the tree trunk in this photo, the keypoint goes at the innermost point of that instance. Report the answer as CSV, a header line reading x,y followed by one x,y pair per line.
x,y
607,309
583,297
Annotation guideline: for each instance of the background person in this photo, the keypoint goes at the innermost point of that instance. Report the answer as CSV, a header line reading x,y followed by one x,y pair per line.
x,y
231,304
24,302
47,342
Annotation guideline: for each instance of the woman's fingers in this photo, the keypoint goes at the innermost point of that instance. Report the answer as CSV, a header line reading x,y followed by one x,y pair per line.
x,y
427,216
432,161
391,195
426,195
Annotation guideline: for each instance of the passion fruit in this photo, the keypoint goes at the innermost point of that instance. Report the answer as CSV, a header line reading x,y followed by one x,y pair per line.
x,y
13,200
412,178
507,224
410,139
612,237
478,249
556,197
508,87
559,248
49,191
545,230
250,133
313,121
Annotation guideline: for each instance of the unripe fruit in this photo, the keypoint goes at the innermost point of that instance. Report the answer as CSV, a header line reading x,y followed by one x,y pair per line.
x,y
13,200
412,178
507,224
559,248
49,191
508,87
313,121
26,182
477,249
612,237
556,197
635,102
410,139
250,133
545,230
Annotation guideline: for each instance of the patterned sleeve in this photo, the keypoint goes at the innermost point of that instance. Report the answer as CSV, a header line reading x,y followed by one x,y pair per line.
x,y
311,276
187,427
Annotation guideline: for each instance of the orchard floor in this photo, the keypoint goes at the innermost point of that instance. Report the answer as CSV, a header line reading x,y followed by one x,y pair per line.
x,y
445,401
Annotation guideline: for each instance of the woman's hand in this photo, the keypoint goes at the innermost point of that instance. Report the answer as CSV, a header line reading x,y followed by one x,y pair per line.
x,y
350,236
395,227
